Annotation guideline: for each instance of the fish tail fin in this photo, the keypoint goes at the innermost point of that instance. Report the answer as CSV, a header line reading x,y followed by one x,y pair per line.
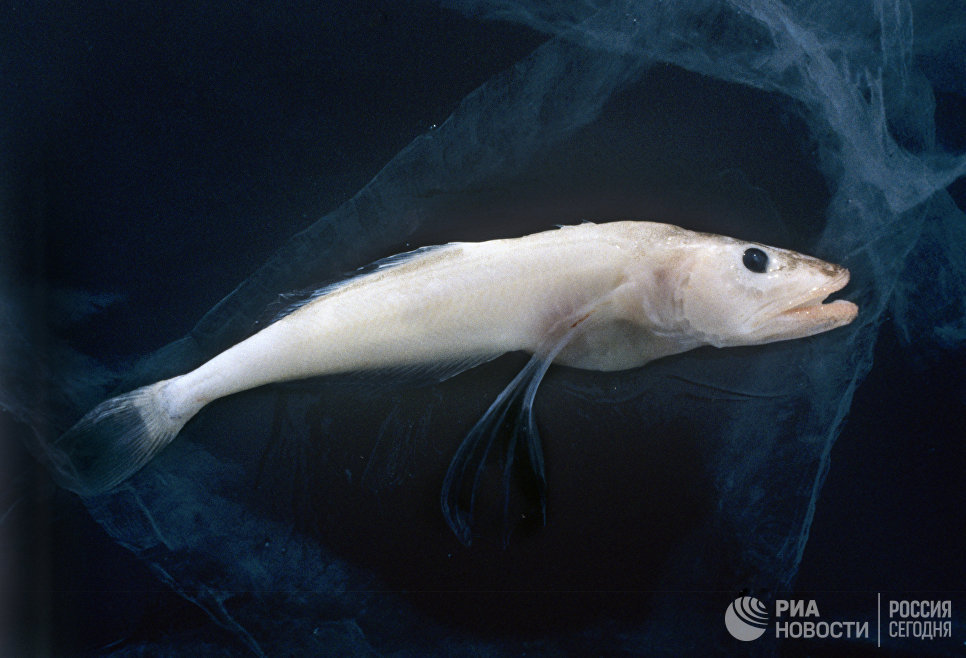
x,y
115,439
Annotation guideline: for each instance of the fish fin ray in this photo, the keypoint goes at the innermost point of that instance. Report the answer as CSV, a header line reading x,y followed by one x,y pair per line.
x,y
397,260
519,395
432,372
472,454
114,440
379,381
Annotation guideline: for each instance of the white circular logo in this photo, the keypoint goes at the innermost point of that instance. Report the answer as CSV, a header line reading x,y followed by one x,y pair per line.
x,y
746,618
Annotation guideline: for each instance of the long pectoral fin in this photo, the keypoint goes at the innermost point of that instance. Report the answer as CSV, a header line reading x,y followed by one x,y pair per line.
x,y
514,405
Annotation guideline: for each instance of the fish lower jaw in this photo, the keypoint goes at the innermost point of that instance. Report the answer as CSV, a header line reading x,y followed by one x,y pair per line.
x,y
840,311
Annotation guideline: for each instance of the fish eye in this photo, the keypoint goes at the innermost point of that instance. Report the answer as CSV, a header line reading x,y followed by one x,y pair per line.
x,y
755,260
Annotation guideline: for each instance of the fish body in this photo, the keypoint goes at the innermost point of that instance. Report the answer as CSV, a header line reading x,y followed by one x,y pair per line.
x,y
461,302
595,296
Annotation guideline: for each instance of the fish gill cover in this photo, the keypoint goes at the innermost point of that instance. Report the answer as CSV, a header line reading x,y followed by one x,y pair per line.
x,y
303,519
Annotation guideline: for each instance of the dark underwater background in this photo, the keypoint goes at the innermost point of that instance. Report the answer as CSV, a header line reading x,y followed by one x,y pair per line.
x,y
157,162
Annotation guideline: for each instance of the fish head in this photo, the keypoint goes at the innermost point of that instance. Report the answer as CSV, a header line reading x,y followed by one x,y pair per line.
x,y
735,293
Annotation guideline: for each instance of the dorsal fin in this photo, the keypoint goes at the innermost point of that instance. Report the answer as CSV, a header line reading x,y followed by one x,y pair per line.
x,y
396,260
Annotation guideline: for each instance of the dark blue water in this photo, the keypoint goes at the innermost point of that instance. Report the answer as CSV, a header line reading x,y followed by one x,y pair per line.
x,y
156,158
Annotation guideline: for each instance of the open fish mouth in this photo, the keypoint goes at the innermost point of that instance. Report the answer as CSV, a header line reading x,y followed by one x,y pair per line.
x,y
814,309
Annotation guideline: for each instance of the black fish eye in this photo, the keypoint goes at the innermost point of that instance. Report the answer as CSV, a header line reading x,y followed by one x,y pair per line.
x,y
755,260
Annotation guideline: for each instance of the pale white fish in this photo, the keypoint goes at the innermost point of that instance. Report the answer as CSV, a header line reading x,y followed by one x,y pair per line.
x,y
594,296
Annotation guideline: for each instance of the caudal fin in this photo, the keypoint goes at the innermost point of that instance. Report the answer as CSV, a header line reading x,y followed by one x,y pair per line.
x,y
114,440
